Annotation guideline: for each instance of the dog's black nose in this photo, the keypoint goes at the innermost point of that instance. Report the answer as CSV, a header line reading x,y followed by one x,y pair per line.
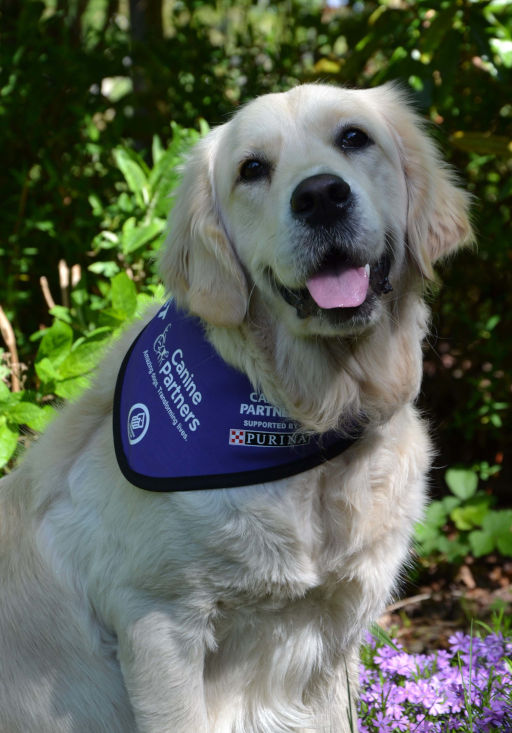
x,y
321,200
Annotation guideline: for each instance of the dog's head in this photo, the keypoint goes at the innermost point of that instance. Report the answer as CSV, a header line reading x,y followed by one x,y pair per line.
x,y
323,200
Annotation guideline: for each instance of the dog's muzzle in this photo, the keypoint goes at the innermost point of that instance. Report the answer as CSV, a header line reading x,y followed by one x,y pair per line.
x,y
336,280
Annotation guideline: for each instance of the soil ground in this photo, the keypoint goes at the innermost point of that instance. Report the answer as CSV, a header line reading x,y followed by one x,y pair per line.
x,y
445,598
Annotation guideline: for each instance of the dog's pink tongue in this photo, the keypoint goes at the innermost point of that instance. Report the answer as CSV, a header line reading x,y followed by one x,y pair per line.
x,y
339,287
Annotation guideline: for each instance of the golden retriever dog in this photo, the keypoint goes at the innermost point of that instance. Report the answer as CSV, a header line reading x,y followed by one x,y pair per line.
x,y
301,240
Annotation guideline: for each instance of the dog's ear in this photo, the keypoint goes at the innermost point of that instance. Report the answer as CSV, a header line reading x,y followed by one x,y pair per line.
x,y
437,210
198,264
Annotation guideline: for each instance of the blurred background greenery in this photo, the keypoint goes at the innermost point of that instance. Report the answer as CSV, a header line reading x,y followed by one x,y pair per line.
x,y
99,99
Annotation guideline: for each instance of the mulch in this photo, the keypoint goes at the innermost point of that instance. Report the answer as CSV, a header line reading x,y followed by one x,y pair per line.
x,y
445,598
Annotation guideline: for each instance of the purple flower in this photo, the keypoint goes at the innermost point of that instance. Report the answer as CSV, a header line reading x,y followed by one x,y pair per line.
x,y
382,723
424,726
500,714
402,663
430,693
459,642
400,724
383,655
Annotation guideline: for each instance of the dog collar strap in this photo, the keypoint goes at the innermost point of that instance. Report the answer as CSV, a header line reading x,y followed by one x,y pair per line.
x,y
184,419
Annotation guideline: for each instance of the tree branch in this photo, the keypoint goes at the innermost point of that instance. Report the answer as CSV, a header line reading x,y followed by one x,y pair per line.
x,y
10,341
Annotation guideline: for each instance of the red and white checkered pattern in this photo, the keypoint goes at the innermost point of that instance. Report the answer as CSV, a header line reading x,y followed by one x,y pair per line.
x,y
236,437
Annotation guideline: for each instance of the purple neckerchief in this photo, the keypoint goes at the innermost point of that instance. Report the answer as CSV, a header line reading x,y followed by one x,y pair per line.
x,y
184,419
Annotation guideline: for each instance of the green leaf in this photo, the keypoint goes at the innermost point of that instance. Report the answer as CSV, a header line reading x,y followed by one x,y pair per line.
x,y
46,371
36,417
204,129
492,323
5,392
108,269
46,414
145,300
481,542
382,636
126,203
116,87
486,471
56,343
499,525
453,549
436,514
428,538
124,296
504,543
99,334
472,513
82,359
141,235
95,203
8,442
25,413
61,313
498,521
449,503
71,389
157,149
8,398
503,49
462,482
134,175
105,240
129,225
425,532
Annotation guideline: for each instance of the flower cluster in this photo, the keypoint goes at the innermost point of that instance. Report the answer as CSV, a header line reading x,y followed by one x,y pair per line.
x,y
467,688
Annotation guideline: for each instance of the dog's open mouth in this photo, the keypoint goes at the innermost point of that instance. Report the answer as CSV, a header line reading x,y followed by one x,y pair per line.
x,y
339,288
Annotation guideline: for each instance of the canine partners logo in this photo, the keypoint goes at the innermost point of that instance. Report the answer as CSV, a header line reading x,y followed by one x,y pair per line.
x,y
159,346
138,422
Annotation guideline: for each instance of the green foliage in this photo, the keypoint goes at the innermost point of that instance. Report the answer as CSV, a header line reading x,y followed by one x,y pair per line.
x,y
19,411
464,522
63,363
54,151
132,225
130,228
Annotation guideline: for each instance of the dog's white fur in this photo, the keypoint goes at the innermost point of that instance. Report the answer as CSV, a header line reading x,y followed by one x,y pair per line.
x,y
241,610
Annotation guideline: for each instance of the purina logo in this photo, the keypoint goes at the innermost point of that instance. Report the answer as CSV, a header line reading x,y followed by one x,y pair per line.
x,y
138,422
236,437
263,439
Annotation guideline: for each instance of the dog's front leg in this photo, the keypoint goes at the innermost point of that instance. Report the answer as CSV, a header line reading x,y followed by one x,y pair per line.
x,y
162,664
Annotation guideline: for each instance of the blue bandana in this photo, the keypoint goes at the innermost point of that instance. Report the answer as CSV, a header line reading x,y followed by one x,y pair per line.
x,y
184,419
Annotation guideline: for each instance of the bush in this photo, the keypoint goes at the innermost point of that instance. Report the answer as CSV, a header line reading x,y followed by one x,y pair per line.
x,y
464,522
130,230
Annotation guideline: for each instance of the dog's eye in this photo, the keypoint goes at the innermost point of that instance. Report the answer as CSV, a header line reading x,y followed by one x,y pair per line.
x,y
354,139
254,169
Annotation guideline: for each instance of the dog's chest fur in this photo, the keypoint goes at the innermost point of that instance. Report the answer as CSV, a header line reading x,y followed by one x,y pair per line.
x,y
309,568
